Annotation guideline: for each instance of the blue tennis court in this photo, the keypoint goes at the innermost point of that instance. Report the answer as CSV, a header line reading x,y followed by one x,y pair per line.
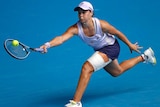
x,y
50,80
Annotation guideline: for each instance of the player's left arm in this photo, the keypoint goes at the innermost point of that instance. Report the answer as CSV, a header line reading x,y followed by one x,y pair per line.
x,y
106,27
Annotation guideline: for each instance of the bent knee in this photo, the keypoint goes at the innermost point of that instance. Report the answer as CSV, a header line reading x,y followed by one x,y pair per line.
x,y
116,73
87,68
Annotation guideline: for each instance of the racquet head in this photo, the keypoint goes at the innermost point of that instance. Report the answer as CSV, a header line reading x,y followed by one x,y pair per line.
x,y
19,52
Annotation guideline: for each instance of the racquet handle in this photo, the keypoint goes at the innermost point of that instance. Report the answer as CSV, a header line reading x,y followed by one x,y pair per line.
x,y
38,49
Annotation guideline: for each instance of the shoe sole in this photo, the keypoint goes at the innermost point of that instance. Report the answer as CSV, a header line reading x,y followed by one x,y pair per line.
x,y
154,58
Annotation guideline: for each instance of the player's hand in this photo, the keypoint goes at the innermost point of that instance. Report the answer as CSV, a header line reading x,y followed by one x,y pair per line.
x,y
45,47
135,47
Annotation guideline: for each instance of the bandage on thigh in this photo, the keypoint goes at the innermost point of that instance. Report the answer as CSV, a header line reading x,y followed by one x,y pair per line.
x,y
97,61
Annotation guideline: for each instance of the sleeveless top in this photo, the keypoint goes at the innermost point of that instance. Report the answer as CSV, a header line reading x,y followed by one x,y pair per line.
x,y
99,39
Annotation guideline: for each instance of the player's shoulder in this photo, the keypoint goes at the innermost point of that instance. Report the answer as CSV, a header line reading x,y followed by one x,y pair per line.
x,y
73,28
104,24
100,20
103,21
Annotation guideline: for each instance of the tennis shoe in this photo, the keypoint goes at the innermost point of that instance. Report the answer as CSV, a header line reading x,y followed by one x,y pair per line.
x,y
73,104
149,56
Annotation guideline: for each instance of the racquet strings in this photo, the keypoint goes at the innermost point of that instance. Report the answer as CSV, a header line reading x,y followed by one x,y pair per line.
x,y
16,51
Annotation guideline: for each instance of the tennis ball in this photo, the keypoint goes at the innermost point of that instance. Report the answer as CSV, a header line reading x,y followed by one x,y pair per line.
x,y
15,43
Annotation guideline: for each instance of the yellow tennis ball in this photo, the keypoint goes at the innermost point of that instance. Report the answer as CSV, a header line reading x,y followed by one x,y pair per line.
x,y
15,43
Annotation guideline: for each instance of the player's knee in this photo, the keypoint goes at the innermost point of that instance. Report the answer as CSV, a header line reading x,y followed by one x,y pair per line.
x,y
87,69
116,73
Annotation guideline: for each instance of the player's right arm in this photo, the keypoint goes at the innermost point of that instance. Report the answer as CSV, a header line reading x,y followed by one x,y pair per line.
x,y
58,40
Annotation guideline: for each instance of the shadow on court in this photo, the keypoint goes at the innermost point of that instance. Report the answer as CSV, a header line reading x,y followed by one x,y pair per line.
x,y
60,100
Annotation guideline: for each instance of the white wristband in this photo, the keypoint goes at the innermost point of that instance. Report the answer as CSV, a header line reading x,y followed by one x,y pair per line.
x,y
47,44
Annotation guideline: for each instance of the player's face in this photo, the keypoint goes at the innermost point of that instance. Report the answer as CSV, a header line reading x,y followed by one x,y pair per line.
x,y
84,15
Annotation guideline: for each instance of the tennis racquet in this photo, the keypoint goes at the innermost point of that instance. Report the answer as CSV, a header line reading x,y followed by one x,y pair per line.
x,y
19,52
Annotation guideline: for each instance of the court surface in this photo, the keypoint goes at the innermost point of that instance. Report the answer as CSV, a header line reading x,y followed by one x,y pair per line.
x,y
49,80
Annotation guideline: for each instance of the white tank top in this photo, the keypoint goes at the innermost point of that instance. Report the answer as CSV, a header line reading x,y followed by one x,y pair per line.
x,y
99,39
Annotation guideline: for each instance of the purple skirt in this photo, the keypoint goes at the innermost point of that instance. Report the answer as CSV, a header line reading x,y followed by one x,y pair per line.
x,y
112,51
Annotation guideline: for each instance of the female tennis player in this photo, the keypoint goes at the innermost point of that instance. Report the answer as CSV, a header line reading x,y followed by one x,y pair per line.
x,y
102,37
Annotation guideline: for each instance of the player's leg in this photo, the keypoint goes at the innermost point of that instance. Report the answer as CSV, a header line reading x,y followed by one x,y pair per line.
x,y
97,61
115,69
86,73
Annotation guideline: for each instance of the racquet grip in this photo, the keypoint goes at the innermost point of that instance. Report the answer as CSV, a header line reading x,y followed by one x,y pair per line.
x,y
38,49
